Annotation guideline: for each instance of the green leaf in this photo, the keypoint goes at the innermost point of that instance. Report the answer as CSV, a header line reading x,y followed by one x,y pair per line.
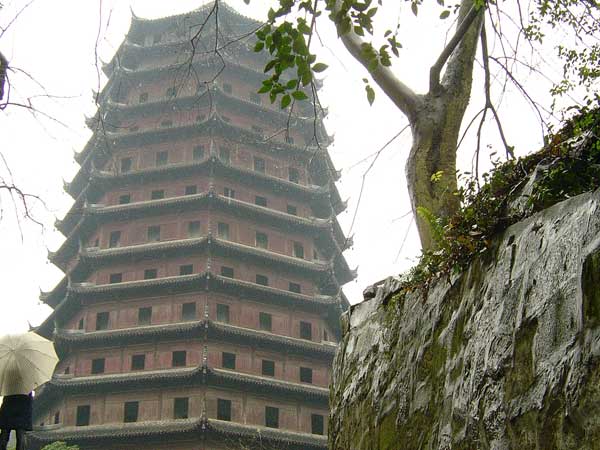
x,y
259,46
264,89
445,14
299,95
414,8
292,84
285,101
319,67
370,94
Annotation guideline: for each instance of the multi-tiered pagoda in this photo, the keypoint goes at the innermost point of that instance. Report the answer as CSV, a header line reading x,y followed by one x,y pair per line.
x,y
203,259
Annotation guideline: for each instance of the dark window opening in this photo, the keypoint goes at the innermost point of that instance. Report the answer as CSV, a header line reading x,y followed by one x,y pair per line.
x,y
194,228
126,164
191,190
259,165
224,155
291,209
260,201
150,274
293,175
227,192
188,311
162,158
179,358
83,416
101,321
223,409
114,239
124,199
317,424
298,250
98,366
325,336
263,280
180,408
295,287
223,230
138,362
157,194
80,325
227,271
222,313
130,412
198,152
154,233
262,240
306,330
228,360
306,375
271,417
145,316
143,98
268,368
56,417
115,278
171,92
265,321
186,269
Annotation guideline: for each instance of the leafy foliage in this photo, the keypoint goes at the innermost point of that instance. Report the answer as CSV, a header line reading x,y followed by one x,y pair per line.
x,y
570,165
60,446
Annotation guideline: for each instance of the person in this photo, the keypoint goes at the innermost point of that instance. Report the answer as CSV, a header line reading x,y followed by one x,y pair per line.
x,y
16,414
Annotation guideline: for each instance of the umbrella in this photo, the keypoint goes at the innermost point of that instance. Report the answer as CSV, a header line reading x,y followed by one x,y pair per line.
x,y
26,362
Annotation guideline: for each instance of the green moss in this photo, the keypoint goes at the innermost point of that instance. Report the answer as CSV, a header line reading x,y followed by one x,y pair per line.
x,y
388,433
523,431
520,377
457,336
590,282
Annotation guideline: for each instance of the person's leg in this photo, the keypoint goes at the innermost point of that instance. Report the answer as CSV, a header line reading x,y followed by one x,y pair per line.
x,y
20,439
4,437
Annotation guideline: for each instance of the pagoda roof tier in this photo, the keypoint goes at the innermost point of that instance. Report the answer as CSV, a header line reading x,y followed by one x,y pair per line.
x,y
196,429
68,340
61,385
321,163
101,181
92,215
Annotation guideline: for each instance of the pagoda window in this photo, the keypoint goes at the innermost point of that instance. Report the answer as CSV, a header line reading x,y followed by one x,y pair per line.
x,y
191,190
271,417
143,98
224,409
227,88
188,311
157,194
198,153
228,360
222,313
98,366
306,331
130,412
306,375
82,416
325,336
259,165
227,271
114,239
317,424
255,98
126,164
166,123
228,192
262,240
181,408
298,250
225,155
67,370
179,358
268,368
291,209
260,201
115,278
162,158
293,175
97,242
194,229
138,362
154,233
171,92
102,321
265,321
186,269
124,199
150,274
295,287
145,315
223,230
81,324
56,417
263,280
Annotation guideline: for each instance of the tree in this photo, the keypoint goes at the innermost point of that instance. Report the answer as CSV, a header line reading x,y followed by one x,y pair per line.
x,y
60,446
435,117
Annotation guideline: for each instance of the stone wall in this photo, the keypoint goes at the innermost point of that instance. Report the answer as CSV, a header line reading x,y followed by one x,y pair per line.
x,y
503,356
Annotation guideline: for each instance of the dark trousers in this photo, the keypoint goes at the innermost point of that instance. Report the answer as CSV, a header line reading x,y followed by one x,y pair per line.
x,y
5,436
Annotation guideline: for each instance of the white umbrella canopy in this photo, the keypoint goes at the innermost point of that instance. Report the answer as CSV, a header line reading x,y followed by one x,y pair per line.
x,y
26,362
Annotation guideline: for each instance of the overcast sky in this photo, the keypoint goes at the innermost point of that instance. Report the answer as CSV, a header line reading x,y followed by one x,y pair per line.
x,y
54,42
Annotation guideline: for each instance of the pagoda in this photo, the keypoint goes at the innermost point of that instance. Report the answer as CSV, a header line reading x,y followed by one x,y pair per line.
x,y
203,259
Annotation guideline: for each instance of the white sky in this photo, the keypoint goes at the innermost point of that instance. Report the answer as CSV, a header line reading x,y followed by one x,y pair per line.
x,y
54,41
